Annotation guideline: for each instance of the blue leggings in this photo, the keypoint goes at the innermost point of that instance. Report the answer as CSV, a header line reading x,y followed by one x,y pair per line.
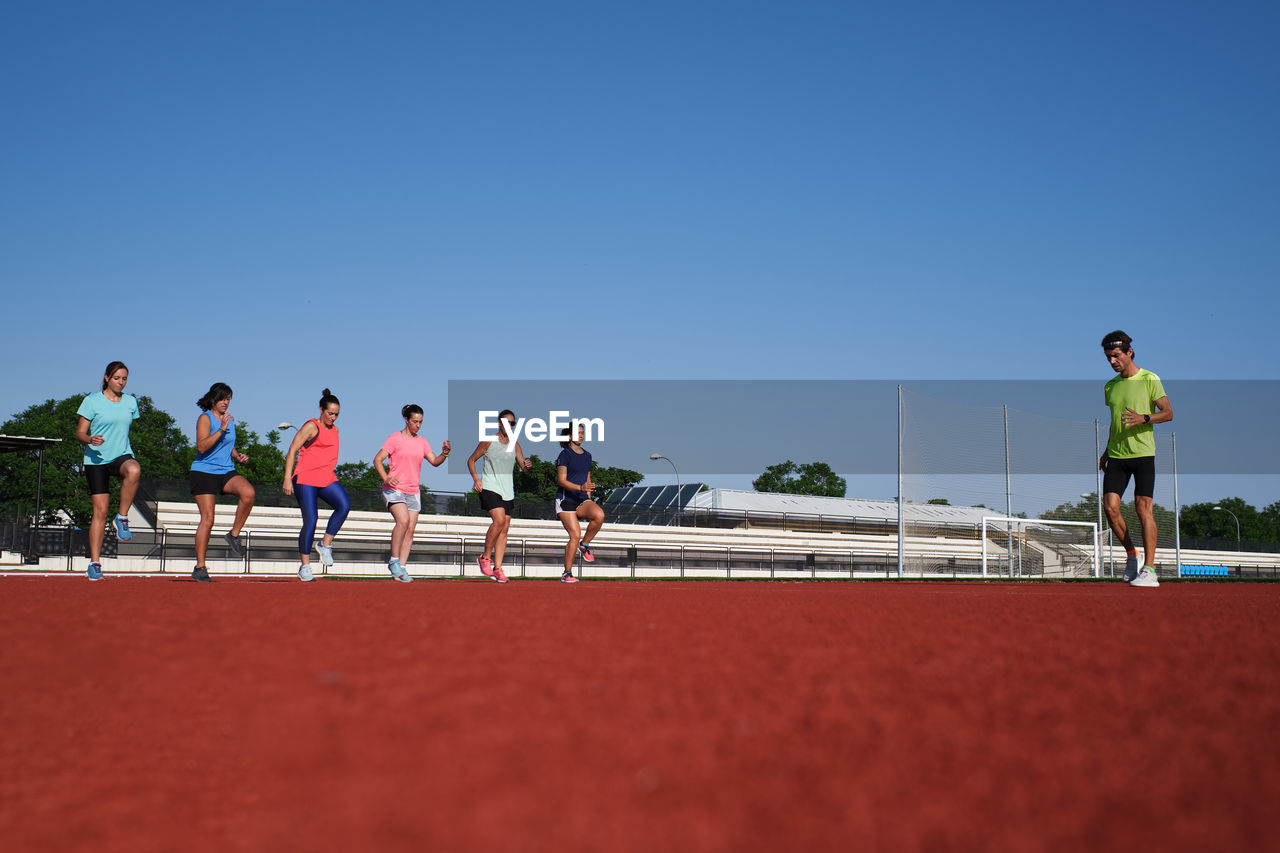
x,y
334,495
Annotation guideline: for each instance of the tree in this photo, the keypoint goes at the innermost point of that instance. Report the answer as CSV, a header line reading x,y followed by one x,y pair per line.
x,y
939,501
158,444
1271,518
608,479
358,475
539,483
811,478
1087,510
1201,520
266,462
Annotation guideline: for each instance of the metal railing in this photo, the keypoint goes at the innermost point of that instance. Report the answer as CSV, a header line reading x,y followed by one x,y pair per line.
x,y
173,551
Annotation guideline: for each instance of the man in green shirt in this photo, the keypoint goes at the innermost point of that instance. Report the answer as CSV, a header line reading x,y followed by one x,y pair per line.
x,y
1137,400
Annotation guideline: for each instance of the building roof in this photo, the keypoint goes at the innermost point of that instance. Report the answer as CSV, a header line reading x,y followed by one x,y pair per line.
x,y
737,500
9,443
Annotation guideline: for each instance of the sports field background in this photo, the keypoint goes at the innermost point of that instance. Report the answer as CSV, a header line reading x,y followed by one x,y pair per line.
x,y
149,714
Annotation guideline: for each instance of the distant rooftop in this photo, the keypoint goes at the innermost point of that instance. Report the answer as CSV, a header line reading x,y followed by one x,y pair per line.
x,y
25,442
738,500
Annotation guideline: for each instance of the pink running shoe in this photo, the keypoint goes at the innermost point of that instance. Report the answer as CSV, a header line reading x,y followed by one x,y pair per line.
x,y
568,577
486,566
500,576
587,556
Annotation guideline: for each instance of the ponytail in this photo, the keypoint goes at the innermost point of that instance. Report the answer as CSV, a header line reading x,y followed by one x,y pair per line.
x,y
217,392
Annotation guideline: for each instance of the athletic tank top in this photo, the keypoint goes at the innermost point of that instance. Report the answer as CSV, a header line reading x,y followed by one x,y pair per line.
x,y
577,468
217,459
495,470
316,460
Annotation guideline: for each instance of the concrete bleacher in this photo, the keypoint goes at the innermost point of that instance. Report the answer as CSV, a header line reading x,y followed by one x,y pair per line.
x,y
448,546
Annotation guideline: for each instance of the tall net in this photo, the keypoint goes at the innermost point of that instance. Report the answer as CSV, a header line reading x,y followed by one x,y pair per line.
x,y
962,461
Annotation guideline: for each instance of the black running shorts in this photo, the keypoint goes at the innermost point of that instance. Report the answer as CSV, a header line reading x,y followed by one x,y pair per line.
x,y
204,483
1141,468
99,475
489,501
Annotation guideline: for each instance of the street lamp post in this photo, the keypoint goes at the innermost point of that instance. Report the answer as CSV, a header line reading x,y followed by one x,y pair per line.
x,y
655,457
1233,515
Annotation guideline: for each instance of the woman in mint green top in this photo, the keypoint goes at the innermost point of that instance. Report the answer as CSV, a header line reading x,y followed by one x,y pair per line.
x,y
497,490
103,426
495,470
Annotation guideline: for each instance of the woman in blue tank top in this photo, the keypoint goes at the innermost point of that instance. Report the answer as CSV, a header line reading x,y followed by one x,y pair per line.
x,y
214,473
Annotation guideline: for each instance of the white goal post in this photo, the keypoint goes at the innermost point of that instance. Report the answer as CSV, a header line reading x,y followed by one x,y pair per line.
x,y
1064,551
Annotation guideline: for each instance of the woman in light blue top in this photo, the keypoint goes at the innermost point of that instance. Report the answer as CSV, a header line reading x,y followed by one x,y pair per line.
x,y
214,473
103,429
497,490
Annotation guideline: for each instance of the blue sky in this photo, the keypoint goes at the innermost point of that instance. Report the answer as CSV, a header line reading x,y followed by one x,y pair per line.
x,y
382,197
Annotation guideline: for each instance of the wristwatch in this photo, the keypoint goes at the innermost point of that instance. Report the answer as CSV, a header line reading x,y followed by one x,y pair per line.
x,y
1146,419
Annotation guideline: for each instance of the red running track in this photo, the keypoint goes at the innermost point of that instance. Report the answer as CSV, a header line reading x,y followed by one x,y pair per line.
x,y
155,714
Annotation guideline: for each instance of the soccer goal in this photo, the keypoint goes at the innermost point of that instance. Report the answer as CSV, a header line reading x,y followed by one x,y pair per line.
x,y
1038,547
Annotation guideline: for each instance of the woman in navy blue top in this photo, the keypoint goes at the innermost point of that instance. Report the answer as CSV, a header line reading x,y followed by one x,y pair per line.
x,y
574,502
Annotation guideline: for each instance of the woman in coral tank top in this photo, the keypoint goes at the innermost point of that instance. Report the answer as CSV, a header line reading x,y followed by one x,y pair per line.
x,y
315,448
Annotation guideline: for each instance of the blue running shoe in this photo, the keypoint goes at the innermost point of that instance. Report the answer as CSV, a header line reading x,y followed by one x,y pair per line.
x,y
122,529
95,571
326,554
304,572
1130,569
393,566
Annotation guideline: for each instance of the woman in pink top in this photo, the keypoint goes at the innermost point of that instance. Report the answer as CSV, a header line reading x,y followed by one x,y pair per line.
x,y
402,485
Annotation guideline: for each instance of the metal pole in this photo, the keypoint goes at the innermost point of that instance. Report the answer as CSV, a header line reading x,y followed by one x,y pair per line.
x,y
1097,470
984,547
1177,512
655,457
35,521
901,529
1008,487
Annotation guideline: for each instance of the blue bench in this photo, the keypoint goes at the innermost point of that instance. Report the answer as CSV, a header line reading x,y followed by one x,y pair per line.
x,y
1204,571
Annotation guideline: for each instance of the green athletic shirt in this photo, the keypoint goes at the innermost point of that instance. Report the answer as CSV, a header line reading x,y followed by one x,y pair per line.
x,y
1139,392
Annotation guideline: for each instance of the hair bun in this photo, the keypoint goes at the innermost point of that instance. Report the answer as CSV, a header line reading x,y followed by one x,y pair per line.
x,y
326,392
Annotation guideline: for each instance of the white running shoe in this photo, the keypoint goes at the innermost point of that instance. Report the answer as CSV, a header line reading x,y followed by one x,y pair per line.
x,y
304,572
1146,577
326,554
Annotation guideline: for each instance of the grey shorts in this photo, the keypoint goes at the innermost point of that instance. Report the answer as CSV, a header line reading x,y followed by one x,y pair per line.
x,y
412,500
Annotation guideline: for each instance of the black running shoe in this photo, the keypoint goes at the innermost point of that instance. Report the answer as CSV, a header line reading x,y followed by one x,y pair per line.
x,y
200,573
234,543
